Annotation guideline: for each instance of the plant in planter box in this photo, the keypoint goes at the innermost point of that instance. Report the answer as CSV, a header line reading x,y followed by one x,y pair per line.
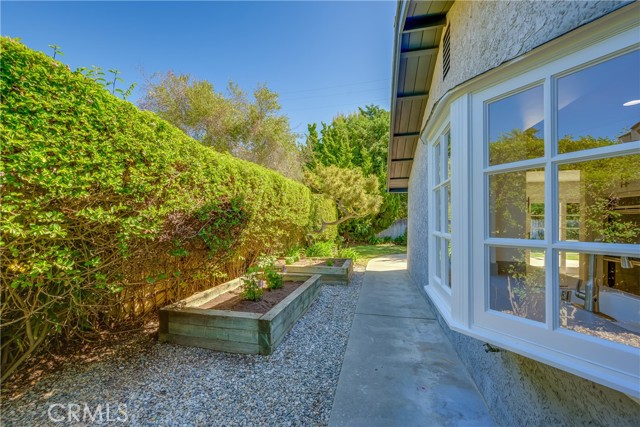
x,y
274,280
252,288
329,263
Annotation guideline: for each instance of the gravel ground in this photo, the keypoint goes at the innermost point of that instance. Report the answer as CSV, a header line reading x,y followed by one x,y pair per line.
x,y
169,385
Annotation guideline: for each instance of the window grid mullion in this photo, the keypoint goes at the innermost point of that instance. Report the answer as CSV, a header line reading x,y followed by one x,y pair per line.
x,y
550,205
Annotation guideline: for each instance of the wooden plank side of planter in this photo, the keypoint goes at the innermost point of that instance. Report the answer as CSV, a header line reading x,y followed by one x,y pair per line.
x,y
283,316
214,318
218,345
340,275
200,298
214,329
240,335
280,333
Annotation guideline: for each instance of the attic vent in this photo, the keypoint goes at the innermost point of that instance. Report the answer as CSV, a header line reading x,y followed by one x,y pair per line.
x,y
446,52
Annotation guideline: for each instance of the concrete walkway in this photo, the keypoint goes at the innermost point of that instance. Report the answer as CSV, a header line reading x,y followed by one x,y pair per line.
x,y
399,368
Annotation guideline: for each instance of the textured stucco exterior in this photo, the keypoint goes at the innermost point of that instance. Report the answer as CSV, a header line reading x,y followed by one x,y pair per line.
x,y
522,392
518,390
485,34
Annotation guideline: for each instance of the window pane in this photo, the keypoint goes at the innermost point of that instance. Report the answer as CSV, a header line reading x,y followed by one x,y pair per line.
x,y
599,200
600,296
437,156
600,105
437,198
438,245
511,197
517,282
448,207
449,263
448,139
516,127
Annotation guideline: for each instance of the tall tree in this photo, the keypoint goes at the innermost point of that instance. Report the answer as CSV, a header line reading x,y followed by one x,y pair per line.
x,y
251,128
359,140
354,194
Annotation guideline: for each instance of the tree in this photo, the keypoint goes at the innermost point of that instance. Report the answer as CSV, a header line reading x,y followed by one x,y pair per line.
x,y
250,128
354,194
359,140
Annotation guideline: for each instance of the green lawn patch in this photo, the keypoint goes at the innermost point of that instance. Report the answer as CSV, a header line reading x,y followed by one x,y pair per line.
x,y
368,252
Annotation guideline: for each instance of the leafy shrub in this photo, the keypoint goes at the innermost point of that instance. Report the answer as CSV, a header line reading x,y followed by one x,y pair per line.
x,y
321,249
293,254
251,286
373,240
349,253
109,212
401,240
324,209
329,263
274,279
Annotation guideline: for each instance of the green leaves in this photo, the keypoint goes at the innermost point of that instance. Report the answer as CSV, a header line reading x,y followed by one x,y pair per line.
x,y
109,211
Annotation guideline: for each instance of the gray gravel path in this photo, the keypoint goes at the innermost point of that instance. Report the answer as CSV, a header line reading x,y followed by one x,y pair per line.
x,y
168,385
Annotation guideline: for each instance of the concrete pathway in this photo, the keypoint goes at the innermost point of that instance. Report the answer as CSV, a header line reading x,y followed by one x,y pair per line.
x,y
399,368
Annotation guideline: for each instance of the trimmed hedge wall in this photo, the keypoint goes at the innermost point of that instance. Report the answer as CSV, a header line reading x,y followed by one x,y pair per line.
x,y
109,212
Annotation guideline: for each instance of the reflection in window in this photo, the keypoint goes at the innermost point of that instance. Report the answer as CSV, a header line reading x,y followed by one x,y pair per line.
x,y
599,200
516,203
600,296
596,105
442,207
516,127
517,282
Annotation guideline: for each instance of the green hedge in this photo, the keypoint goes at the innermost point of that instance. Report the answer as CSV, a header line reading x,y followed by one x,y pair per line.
x,y
109,212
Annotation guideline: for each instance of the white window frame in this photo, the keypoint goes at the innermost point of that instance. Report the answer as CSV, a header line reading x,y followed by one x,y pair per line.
x,y
463,307
582,354
439,291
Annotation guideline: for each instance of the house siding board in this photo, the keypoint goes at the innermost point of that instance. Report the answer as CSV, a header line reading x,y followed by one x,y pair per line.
x,y
484,35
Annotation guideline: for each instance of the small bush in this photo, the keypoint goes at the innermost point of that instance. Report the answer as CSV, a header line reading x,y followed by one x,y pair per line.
x,y
373,240
321,249
293,254
401,240
329,263
274,279
252,290
349,253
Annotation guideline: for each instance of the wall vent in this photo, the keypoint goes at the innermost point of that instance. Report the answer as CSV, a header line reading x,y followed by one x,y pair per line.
x,y
446,52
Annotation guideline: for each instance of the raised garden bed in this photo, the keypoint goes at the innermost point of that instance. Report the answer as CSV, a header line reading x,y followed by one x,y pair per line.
x,y
338,273
258,329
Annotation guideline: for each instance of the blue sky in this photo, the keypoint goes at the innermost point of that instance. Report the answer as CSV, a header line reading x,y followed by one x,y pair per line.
x,y
323,58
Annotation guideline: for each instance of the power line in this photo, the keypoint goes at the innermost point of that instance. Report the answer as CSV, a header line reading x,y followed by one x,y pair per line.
x,y
339,105
336,94
332,87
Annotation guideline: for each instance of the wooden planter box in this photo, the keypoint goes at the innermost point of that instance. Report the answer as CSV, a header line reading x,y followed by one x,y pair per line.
x,y
233,331
335,275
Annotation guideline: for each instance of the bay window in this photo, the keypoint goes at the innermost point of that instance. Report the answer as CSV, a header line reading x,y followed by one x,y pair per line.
x,y
554,206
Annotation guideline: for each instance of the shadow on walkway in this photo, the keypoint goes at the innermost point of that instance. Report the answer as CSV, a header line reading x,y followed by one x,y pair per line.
x,y
399,368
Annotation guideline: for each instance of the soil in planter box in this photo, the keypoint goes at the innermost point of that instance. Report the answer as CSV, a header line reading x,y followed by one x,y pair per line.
x,y
234,302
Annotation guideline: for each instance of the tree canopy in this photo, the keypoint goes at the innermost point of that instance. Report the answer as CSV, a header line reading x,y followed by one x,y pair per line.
x,y
358,140
250,128
354,194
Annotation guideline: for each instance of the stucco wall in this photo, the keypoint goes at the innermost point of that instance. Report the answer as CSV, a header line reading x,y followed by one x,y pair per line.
x,y
485,34
522,392
518,390
417,226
